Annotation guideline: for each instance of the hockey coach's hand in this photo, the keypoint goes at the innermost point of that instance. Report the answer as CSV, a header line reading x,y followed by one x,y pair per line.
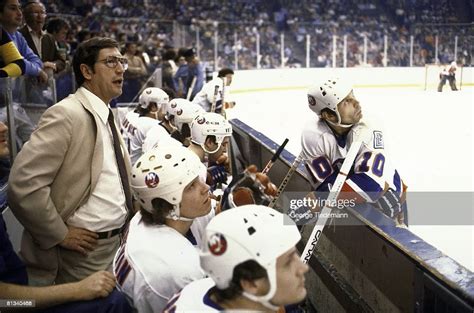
x,y
80,240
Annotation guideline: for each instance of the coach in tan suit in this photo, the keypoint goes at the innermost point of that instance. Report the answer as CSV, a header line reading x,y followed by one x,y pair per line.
x,y
67,187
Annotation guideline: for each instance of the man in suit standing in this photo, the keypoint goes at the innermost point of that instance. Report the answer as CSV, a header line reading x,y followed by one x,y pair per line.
x,y
40,42
69,185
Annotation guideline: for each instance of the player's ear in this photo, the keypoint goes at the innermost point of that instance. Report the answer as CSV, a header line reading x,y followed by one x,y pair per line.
x,y
210,143
325,115
259,286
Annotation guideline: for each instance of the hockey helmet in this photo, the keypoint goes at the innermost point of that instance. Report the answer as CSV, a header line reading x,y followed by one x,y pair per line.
x,y
153,94
210,124
186,113
328,94
174,106
163,173
239,235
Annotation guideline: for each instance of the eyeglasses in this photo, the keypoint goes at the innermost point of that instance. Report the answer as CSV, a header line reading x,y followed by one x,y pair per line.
x,y
113,61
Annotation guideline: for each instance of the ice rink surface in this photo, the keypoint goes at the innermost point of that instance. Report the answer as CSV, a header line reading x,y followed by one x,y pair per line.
x,y
428,135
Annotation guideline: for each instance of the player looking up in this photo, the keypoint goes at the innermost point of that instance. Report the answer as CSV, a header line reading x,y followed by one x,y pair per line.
x,y
157,258
327,138
248,272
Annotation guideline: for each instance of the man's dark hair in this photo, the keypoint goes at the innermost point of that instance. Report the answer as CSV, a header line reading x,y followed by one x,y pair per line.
x,y
170,92
82,35
158,217
169,54
26,4
87,53
56,24
248,270
225,71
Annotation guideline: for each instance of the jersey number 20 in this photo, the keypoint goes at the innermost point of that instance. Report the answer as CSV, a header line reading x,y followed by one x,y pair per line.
x,y
377,164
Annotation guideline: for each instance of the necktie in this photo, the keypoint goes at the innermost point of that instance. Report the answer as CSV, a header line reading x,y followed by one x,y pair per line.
x,y
120,164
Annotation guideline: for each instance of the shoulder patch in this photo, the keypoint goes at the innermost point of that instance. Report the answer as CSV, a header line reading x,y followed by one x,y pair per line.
x,y
378,139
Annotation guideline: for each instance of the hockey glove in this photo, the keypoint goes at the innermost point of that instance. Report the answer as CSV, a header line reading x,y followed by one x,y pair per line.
x,y
217,174
390,203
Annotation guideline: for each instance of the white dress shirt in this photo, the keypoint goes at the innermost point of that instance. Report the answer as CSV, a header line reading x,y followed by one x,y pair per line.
x,y
105,209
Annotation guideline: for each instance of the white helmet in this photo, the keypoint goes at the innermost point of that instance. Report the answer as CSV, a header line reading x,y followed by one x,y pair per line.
x,y
327,95
186,113
249,232
454,64
210,124
153,94
163,173
175,105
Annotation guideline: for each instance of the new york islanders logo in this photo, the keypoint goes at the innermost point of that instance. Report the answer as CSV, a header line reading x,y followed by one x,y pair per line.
x,y
311,100
217,244
201,120
152,180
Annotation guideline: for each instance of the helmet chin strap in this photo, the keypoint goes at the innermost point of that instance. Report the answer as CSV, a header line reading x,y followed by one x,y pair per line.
x,y
265,299
338,121
175,215
203,146
339,124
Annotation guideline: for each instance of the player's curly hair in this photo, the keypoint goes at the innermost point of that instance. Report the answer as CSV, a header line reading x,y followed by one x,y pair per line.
x,y
161,210
248,270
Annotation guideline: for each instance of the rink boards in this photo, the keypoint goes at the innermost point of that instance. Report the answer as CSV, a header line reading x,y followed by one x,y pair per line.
x,y
367,264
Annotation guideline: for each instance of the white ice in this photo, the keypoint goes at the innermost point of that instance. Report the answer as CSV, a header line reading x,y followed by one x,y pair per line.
x,y
429,136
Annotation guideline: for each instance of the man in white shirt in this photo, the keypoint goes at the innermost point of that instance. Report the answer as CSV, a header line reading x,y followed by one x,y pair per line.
x,y
69,184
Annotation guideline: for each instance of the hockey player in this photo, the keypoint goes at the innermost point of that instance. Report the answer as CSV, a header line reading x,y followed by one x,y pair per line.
x,y
180,113
327,139
248,272
207,95
448,74
210,134
157,258
149,114
128,124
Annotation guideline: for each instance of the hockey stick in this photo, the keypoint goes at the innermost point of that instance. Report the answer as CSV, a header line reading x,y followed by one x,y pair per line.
x,y
287,178
335,190
239,178
275,157
214,99
191,88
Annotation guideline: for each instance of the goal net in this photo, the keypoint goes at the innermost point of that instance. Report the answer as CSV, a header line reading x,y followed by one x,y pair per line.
x,y
432,76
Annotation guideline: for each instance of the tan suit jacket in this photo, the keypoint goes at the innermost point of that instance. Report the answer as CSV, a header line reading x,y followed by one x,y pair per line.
x,y
52,176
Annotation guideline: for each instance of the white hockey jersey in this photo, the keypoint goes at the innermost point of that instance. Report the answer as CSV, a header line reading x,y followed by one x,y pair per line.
x,y
156,135
372,173
138,134
128,125
155,262
205,96
194,298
